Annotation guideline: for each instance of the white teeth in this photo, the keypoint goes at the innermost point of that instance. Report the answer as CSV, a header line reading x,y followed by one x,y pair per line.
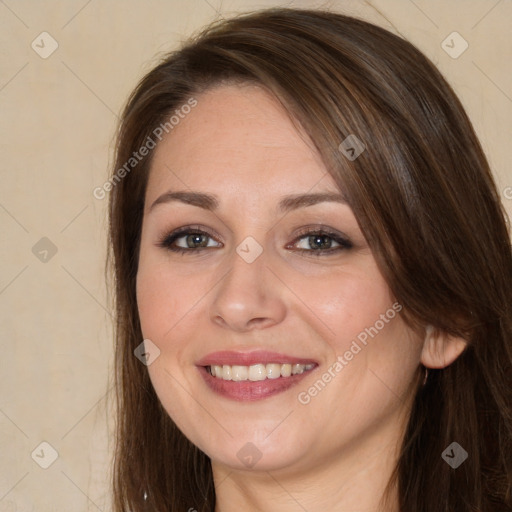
x,y
226,373
273,371
239,373
286,370
297,368
257,372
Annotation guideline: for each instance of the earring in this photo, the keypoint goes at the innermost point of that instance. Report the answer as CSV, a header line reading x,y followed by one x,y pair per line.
x,y
426,376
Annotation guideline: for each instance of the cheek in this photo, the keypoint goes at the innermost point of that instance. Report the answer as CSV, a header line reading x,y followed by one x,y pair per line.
x,y
359,321
372,354
345,303
153,301
166,306
163,298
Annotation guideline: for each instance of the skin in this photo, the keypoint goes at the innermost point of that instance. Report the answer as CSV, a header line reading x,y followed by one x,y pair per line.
x,y
336,452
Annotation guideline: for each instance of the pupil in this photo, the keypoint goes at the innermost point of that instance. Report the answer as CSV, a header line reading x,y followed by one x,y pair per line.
x,y
320,241
195,240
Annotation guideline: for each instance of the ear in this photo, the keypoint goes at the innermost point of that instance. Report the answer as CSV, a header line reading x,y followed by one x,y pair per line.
x,y
440,349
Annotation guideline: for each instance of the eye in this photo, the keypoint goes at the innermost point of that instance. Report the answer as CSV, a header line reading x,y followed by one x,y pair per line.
x,y
317,242
321,241
188,239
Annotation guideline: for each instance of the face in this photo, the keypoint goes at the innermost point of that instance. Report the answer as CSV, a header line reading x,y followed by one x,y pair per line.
x,y
252,267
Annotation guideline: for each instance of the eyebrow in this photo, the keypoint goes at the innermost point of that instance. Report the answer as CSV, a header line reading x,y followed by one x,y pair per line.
x,y
211,202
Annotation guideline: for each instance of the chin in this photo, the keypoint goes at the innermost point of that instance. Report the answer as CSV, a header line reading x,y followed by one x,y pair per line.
x,y
247,452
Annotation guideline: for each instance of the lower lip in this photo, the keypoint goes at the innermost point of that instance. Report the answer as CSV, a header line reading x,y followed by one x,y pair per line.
x,y
248,390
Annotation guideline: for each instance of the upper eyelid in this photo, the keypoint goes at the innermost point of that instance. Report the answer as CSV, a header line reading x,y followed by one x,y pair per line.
x,y
303,232
311,228
185,230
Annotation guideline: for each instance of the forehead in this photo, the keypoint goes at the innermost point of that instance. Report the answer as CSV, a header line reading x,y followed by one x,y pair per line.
x,y
238,136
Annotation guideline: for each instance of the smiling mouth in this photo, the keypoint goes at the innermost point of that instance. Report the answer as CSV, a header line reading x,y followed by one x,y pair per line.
x,y
257,372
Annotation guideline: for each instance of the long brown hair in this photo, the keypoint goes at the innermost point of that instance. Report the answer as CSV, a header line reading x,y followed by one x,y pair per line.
x,y
425,199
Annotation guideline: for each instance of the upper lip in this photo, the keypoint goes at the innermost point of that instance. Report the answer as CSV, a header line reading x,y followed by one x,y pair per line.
x,y
250,358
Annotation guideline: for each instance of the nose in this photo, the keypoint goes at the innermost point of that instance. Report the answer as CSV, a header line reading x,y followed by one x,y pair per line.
x,y
248,297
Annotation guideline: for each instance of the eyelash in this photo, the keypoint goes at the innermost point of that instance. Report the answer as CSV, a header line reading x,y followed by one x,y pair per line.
x,y
168,239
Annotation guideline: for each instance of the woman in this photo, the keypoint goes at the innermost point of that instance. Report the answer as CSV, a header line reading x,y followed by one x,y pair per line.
x,y
312,273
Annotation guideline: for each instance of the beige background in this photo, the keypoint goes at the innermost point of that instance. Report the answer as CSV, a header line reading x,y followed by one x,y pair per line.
x,y
58,119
